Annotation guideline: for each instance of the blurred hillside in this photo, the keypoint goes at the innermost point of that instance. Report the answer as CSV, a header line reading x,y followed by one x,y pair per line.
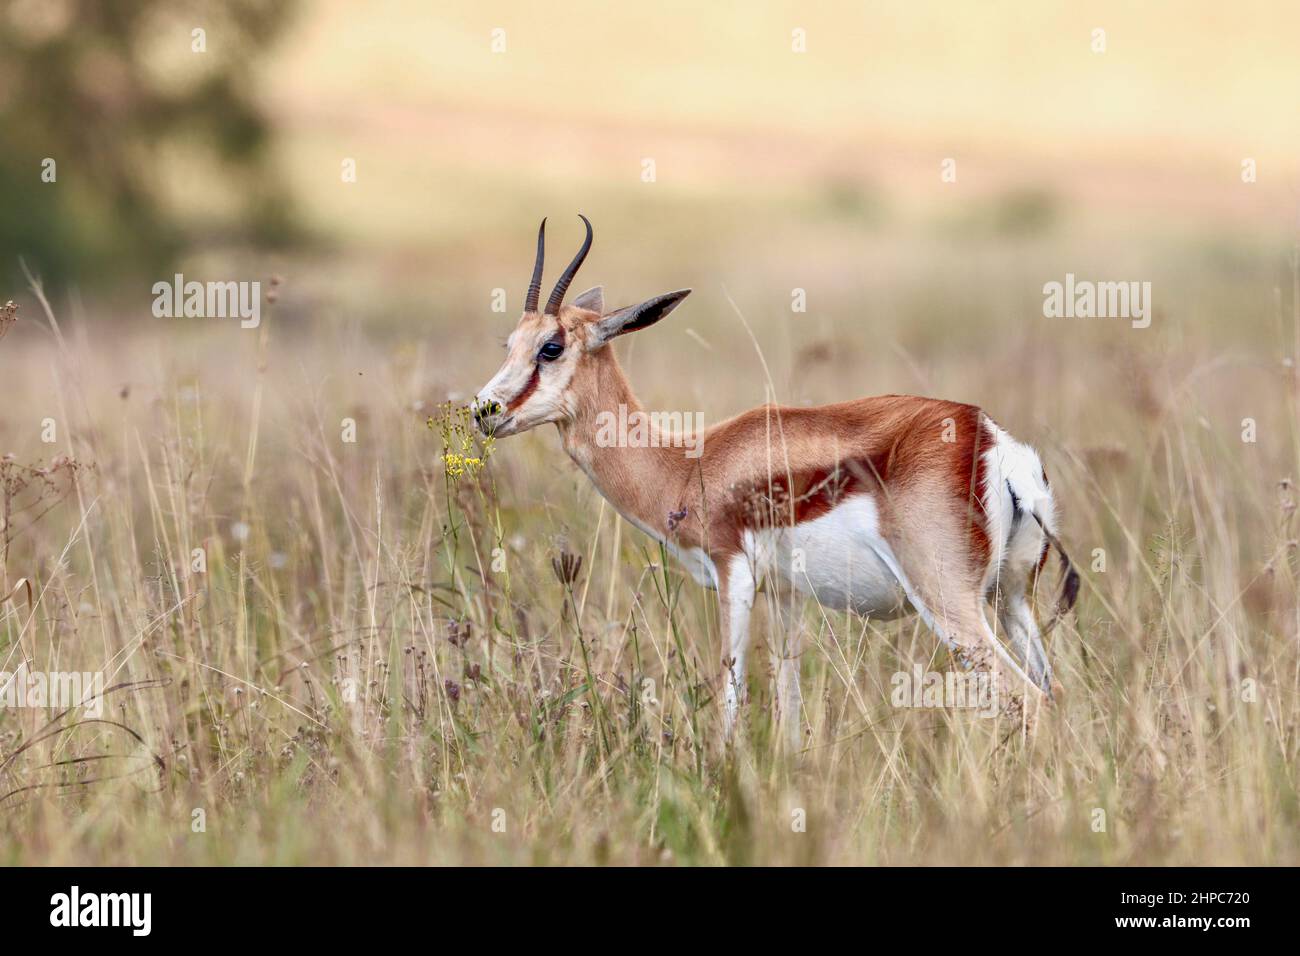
x,y
392,163
768,158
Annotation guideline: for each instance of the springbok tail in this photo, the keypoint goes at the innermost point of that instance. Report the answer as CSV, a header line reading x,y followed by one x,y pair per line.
x,y
1070,578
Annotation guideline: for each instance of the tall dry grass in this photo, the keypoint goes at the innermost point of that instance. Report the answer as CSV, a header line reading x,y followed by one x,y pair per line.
x,y
387,660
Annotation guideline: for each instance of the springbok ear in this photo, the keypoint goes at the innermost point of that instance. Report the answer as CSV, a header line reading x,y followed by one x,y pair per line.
x,y
593,300
635,317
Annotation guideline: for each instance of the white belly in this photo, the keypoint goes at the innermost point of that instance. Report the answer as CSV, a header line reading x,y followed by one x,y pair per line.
x,y
842,560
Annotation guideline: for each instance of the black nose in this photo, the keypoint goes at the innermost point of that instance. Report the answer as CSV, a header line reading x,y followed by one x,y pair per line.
x,y
485,410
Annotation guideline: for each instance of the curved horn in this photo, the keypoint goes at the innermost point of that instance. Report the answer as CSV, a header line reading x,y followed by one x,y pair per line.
x,y
561,287
535,286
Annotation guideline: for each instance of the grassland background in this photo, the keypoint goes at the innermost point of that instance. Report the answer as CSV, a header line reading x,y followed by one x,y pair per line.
x,y
775,171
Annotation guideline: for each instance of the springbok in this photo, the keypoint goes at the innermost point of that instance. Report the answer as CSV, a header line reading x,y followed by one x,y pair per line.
x,y
879,504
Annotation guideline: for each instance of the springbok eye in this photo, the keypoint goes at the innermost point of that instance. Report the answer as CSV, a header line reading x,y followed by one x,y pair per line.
x,y
550,352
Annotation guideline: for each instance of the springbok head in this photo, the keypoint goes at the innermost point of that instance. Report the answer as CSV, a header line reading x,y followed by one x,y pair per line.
x,y
551,354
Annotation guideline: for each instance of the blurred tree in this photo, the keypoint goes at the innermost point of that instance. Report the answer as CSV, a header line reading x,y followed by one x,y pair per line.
x,y
114,114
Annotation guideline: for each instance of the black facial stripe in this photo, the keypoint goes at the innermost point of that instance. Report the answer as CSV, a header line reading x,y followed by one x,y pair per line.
x,y
529,387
